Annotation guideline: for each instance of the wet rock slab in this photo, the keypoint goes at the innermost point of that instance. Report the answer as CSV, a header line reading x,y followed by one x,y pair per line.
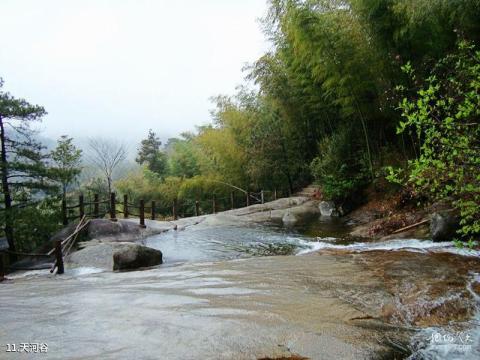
x,y
249,309
122,230
426,288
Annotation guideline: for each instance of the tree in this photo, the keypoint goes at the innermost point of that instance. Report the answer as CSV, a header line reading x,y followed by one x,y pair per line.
x,y
22,161
67,158
274,158
106,156
445,116
150,154
140,184
183,158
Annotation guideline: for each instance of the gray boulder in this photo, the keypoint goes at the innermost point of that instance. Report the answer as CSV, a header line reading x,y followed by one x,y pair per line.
x,y
328,208
289,218
299,213
135,256
114,230
444,225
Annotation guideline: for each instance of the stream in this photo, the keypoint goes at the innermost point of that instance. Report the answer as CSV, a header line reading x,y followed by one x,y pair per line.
x,y
257,291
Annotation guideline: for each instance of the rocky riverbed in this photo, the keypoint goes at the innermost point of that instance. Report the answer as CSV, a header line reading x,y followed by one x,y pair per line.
x,y
246,284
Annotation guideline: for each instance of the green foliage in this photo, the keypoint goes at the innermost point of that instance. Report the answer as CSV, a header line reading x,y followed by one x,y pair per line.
x,y
151,155
170,190
339,168
34,225
203,188
183,159
323,106
94,185
221,152
445,117
24,171
67,161
419,29
143,184
329,80
149,186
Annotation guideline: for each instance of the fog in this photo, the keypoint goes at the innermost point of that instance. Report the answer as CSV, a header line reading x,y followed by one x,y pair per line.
x,y
117,68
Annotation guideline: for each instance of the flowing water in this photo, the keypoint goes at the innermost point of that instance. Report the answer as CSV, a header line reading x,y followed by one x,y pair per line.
x,y
258,291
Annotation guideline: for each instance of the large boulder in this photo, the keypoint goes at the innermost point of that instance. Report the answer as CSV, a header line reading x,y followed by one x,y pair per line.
x,y
93,254
114,230
299,213
289,218
444,225
328,208
135,256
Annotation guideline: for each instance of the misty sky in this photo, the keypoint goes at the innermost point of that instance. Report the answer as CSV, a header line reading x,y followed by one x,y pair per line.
x,y
119,67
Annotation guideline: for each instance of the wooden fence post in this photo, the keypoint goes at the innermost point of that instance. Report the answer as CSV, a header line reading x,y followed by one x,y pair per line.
x,y
214,205
153,210
113,205
262,196
142,214
59,257
81,205
174,209
275,194
2,267
96,206
232,200
197,209
248,198
125,206
64,212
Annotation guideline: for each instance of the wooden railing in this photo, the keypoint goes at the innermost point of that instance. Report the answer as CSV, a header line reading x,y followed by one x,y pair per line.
x,y
60,249
152,210
83,211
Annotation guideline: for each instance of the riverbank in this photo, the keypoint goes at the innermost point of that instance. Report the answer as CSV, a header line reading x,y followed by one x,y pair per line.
x,y
334,303
105,237
245,284
248,309
385,213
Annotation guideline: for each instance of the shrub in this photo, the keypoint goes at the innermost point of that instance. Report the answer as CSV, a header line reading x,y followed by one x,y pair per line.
x,y
340,167
445,116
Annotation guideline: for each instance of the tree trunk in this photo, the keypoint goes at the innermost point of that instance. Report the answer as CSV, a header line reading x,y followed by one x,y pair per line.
x,y
109,183
6,190
289,179
286,169
365,132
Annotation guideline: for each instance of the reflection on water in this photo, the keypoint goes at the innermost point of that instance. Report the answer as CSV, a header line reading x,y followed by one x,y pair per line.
x,y
323,226
234,242
227,242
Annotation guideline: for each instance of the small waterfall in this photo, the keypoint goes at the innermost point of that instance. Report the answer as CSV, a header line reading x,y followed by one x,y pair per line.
x,y
457,341
414,245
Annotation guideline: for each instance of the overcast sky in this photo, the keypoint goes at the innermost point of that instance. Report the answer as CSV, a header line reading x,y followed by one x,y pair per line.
x,y
119,67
